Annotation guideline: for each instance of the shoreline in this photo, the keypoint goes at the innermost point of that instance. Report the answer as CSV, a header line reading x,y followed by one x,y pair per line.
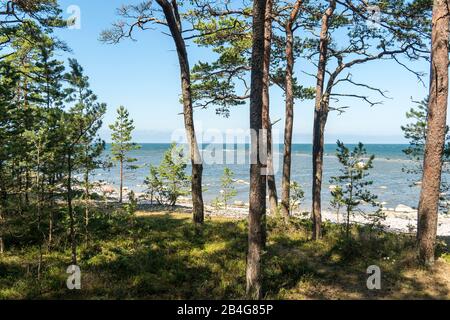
x,y
402,219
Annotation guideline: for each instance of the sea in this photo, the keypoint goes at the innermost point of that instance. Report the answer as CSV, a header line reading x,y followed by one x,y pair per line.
x,y
391,183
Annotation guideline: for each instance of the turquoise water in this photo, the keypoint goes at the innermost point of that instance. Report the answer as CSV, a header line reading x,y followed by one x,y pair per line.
x,y
391,184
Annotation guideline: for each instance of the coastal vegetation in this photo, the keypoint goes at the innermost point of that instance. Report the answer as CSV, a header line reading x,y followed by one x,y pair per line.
x,y
168,242
165,257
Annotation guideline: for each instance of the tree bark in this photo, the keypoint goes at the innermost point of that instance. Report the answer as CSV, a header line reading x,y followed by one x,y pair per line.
x,y
289,121
70,209
50,230
2,206
436,131
86,209
257,179
51,214
320,119
121,182
174,22
267,125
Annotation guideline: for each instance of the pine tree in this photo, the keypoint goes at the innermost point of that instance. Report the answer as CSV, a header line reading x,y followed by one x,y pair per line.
x,y
85,103
121,143
171,18
169,181
399,34
416,133
436,131
351,186
228,190
257,209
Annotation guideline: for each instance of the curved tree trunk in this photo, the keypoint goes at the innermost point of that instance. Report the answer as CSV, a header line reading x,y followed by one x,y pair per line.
x,y
174,22
257,179
320,118
267,125
289,121
436,130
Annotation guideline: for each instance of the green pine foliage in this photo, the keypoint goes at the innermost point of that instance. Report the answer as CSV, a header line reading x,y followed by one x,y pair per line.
x,y
169,181
296,196
122,145
228,190
121,135
351,187
416,133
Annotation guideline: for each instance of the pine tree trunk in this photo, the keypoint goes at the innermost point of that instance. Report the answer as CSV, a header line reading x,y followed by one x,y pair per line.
x,y
86,209
51,216
267,125
320,119
436,130
39,208
271,182
2,245
121,182
174,22
289,118
50,231
3,201
257,179
70,209
288,129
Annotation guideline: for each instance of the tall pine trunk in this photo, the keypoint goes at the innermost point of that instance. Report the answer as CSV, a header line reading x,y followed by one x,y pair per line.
x,y
174,22
320,119
52,205
121,182
289,121
86,208
2,244
73,242
257,209
3,200
267,125
436,130
50,230
2,209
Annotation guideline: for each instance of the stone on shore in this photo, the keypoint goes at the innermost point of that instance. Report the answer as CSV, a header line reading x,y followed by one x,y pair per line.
x,y
239,204
403,208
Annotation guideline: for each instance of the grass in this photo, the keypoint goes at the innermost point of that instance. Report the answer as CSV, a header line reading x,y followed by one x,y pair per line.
x,y
166,257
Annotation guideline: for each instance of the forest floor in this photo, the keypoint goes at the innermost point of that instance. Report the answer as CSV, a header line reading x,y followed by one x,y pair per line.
x,y
163,255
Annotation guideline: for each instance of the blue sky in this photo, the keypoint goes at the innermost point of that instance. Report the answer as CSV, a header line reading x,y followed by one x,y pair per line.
x,y
144,77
